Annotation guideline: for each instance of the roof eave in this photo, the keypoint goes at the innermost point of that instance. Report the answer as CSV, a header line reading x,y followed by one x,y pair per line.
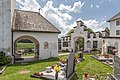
x,y
35,31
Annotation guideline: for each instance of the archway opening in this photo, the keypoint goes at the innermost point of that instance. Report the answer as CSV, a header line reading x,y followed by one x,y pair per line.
x,y
26,47
79,44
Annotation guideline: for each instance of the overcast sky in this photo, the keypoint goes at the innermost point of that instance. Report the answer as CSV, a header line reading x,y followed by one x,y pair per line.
x,y
64,13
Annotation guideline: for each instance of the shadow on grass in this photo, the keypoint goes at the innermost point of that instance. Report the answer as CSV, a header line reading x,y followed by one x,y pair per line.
x,y
35,62
75,77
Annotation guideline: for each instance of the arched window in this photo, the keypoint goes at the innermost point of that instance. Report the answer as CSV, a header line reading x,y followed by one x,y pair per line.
x,y
88,44
46,45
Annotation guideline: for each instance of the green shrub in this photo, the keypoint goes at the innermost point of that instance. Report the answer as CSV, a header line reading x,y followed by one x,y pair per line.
x,y
3,59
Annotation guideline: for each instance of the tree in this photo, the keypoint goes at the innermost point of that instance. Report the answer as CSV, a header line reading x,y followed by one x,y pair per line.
x,y
69,32
89,30
107,30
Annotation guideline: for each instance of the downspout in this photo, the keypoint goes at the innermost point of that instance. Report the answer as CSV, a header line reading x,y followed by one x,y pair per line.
x,y
12,48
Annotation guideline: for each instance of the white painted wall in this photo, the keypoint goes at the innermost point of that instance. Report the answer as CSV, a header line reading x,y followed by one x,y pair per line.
x,y
110,42
5,25
51,38
113,29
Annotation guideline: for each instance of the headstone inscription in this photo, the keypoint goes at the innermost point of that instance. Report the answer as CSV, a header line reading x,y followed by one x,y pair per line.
x,y
70,68
116,67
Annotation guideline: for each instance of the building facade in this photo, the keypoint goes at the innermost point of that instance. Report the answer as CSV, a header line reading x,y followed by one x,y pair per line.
x,y
113,41
82,39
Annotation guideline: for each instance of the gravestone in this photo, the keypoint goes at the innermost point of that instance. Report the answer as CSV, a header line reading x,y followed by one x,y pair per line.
x,y
117,67
70,68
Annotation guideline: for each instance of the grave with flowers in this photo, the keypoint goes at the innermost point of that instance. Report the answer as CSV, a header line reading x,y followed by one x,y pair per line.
x,y
63,70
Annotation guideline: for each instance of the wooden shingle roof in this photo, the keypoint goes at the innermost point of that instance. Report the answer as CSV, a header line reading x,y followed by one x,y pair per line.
x,y
32,22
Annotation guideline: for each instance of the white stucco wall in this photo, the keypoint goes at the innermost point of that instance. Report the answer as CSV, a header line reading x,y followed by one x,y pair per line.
x,y
113,29
6,23
51,38
111,42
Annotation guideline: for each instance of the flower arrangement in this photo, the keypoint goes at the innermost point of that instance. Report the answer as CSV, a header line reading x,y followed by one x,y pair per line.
x,y
57,69
38,74
63,61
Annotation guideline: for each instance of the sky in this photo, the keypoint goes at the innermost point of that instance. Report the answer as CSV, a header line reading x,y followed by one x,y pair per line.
x,y
63,14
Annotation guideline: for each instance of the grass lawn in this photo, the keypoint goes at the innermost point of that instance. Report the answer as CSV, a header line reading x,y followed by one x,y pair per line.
x,y
25,45
89,65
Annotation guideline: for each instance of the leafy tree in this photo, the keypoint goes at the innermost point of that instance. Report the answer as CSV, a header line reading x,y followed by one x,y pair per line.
x,y
107,30
89,30
69,32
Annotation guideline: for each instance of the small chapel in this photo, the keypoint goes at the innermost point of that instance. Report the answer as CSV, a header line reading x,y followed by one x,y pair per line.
x,y
16,25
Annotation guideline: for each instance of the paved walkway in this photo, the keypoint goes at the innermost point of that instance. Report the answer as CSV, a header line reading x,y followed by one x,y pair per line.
x,y
63,54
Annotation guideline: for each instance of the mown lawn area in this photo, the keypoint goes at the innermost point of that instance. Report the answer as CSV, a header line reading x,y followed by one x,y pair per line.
x,y
89,65
25,45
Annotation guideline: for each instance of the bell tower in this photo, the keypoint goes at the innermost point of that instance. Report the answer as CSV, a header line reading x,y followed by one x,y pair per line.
x,y
6,14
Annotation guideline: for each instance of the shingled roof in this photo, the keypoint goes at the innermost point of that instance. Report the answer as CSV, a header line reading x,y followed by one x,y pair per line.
x,y
117,16
32,22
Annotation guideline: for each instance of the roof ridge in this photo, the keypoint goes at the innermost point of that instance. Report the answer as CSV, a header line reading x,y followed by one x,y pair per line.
x,y
114,17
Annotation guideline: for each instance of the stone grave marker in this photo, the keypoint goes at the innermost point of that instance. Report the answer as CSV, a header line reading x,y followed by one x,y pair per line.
x,y
70,68
117,67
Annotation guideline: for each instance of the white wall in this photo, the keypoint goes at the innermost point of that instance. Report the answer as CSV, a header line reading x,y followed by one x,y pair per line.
x,y
113,29
5,25
110,42
51,38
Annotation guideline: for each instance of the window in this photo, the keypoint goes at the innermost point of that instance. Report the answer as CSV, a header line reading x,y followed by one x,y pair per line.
x,y
117,22
94,36
88,44
95,44
46,45
63,39
65,44
117,32
88,36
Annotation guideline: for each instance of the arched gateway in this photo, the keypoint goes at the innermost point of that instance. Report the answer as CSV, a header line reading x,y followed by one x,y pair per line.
x,y
32,39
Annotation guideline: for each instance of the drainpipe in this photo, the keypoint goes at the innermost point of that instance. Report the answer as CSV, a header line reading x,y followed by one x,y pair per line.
x,y
12,47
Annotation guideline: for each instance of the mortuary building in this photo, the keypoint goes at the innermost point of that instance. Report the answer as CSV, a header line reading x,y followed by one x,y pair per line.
x,y
16,25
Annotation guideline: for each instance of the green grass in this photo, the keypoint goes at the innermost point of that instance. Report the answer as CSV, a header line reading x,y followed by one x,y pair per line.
x,y
89,65
92,67
25,45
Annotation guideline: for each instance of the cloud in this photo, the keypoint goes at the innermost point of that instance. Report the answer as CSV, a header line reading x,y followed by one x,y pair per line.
x,y
31,5
57,17
76,7
64,7
97,6
91,6
94,24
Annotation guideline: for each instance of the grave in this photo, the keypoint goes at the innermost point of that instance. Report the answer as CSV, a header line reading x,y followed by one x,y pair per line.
x,y
70,68
66,72
116,67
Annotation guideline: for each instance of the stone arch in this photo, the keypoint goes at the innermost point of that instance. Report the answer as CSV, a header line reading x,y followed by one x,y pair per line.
x,y
79,43
34,40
